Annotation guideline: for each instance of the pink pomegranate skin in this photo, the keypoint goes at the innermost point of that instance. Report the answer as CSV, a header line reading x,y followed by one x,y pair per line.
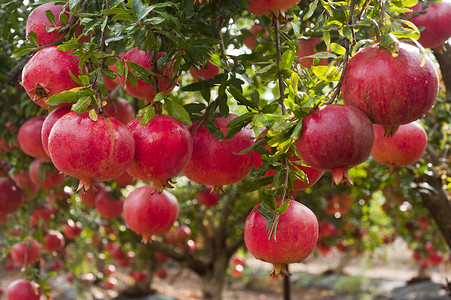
x,y
51,179
437,23
23,180
336,137
307,47
163,148
390,90
21,289
90,150
47,74
89,197
256,31
107,206
30,138
54,241
296,235
10,197
149,213
405,148
213,161
270,7
37,21
145,90
208,72
49,121
26,252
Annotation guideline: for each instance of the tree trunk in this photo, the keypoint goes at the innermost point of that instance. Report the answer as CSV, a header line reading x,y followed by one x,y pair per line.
x,y
443,57
215,278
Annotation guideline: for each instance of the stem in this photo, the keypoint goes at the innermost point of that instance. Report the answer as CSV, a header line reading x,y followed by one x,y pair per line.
x,y
154,64
221,40
101,48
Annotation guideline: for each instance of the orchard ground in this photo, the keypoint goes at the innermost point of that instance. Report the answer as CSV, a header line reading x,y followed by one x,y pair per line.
x,y
383,275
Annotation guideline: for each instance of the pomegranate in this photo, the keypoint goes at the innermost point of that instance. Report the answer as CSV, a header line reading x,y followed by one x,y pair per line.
x,y
54,241
256,31
270,7
26,253
109,269
10,197
297,234
72,229
238,260
307,47
90,150
125,179
405,148
170,145
436,20
52,176
171,237
208,197
89,197
435,258
141,276
145,90
149,213
391,89
38,22
423,263
336,137
237,271
23,181
47,74
42,214
49,121
107,206
111,84
120,109
21,289
161,273
30,138
161,257
207,72
326,230
182,233
110,283
214,162
340,204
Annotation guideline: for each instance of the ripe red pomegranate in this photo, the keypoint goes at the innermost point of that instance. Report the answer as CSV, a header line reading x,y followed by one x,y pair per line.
x,y
125,179
213,161
237,271
161,257
326,230
23,180
182,233
42,214
109,269
21,289
208,197
161,273
270,7
143,204
140,275
72,229
49,121
110,283
30,138
90,150
336,138
296,235
405,148
120,109
54,241
47,74
111,84
391,89
208,72
307,47
52,176
10,198
145,90
170,144
26,253
423,263
107,206
435,258
256,31
238,260
436,20
89,197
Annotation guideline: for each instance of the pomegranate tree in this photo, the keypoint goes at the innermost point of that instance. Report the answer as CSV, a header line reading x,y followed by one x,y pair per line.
x,y
436,22
207,72
391,89
270,7
49,121
30,138
52,177
21,289
405,148
107,206
163,148
90,150
47,74
149,213
26,253
297,234
214,161
11,198
146,90
336,137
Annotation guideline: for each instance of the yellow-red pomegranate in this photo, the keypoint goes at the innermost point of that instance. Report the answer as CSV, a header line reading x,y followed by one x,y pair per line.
x,y
405,148
214,162
149,213
30,138
90,150
297,234
47,74
335,138
391,89
163,148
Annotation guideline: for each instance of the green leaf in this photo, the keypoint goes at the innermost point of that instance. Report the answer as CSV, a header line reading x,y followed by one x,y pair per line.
x,y
64,97
109,73
82,104
140,11
311,10
120,68
131,78
340,50
270,108
287,60
135,67
115,11
19,52
93,115
214,130
33,38
403,3
238,123
145,114
51,17
177,111
240,98
283,208
327,73
326,39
